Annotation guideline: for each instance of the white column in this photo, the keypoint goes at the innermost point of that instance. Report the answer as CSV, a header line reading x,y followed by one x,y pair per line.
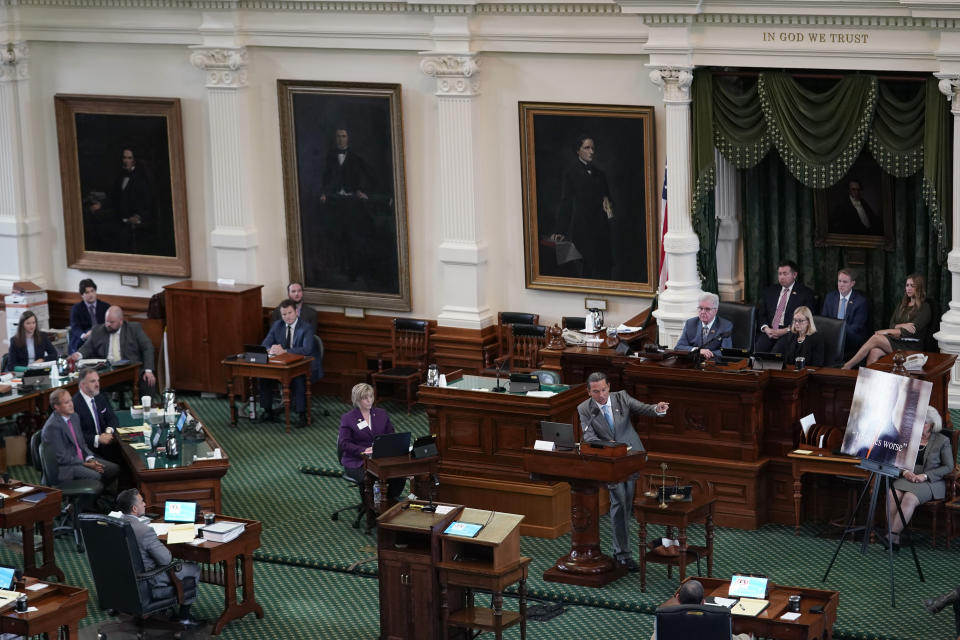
x,y
234,238
729,247
680,244
18,229
949,334
462,253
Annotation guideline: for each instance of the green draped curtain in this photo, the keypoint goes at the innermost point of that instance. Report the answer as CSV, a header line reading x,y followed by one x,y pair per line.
x,y
816,136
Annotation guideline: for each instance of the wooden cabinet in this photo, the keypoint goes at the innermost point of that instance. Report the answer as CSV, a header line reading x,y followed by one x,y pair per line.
x,y
408,550
205,323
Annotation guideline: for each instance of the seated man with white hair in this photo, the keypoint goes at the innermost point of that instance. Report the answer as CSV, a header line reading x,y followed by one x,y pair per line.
x,y
706,331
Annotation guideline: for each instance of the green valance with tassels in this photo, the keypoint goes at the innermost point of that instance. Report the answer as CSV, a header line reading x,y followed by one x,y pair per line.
x,y
818,135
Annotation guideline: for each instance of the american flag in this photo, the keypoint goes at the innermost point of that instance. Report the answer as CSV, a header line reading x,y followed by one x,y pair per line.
x,y
663,233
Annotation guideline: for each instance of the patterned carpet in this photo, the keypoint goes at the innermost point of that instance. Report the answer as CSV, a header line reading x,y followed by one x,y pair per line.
x,y
292,482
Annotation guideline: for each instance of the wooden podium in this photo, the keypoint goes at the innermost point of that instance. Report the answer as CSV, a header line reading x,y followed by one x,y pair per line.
x,y
585,565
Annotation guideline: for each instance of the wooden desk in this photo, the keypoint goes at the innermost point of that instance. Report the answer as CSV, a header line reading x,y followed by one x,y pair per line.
x,y
27,515
224,563
767,624
60,608
272,370
381,470
182,478
679,515
480,575
481,436
585,565
820,461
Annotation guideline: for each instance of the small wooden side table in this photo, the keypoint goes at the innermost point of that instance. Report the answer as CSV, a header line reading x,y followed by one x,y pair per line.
x,y
679,515
483,575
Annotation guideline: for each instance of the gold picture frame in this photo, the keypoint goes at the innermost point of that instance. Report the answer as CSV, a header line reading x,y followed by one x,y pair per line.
x,y
838,223
122,178
589,226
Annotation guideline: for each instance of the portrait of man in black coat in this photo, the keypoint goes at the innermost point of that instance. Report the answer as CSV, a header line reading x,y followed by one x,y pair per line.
x,y
854,215
116,221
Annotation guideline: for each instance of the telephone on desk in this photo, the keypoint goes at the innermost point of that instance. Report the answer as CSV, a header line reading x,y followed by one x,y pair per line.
x,y
915,362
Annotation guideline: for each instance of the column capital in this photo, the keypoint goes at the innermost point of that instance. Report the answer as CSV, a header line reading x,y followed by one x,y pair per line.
x,y
454,74
13,61
226,67
950,86
674,82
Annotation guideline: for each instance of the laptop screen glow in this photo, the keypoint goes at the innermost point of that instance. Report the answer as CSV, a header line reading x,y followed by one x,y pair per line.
x,y
179,511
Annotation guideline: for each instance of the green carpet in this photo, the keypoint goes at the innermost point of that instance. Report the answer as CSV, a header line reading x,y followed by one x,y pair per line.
x,y
291,483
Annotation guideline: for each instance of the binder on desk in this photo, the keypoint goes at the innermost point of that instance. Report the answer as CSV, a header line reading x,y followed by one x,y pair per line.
x,y
749,607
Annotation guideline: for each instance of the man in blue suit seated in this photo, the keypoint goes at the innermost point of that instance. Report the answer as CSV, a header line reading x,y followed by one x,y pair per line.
x,y
86,314
850,306
290,334
706,331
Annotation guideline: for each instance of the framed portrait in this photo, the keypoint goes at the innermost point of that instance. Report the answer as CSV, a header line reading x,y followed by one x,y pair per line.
x,y
857,211
122,177
590,201
344,192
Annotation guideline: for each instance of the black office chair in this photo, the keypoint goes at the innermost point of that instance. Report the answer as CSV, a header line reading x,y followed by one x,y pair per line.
x,y
574,323
744,319
834,340
361,507
122,583
546,376
76,493
686,621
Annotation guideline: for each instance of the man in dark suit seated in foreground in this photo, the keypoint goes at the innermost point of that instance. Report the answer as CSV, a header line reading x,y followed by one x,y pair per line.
x,y
117,339
97,419
707,331
153,552
777,304
691,592
850,306
290,334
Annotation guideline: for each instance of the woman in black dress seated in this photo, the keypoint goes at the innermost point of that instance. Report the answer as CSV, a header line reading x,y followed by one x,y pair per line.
x,y
803,341
29,345
925,482
908,326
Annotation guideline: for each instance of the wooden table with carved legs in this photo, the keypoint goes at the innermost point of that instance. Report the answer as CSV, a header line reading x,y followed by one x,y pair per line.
x,y
679,515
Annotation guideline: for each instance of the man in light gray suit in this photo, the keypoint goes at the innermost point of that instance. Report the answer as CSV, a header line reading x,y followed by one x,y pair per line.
x,y
153,552
608,417
62,432
117,339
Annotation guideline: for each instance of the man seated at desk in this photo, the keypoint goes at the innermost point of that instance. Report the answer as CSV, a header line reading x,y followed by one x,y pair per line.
x,y
97,419
153,552
86,314
706,331
117,339
606,417
691,592
292,334
304,311
62,433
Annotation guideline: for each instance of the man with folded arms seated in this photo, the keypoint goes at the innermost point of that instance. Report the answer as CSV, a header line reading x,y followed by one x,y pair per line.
x,y
62,432
117,339
293,335
706,331
607,417
777,304
691,592
153,552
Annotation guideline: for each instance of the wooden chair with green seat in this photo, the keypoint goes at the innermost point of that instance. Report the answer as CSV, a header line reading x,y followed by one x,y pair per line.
x,y
506,319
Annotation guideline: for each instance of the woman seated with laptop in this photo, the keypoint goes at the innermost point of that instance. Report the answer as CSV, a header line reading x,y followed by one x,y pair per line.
x,y
358,428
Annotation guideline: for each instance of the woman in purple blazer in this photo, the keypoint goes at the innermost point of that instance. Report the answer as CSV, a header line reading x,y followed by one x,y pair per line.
x,y
358,428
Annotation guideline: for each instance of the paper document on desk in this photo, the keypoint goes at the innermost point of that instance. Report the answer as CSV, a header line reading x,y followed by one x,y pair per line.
x,y
541,394
627,329
181,533
139,445
749,607
806,422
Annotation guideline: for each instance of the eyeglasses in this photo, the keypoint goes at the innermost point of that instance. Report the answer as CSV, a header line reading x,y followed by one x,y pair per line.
x,y
800,321
705,308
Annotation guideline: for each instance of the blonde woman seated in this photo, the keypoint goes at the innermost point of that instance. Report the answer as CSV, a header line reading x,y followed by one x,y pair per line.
x,y
925,482
802,341
908,325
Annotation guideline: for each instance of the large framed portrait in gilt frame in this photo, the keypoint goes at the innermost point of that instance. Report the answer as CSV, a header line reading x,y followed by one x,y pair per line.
x,y
858,210
344,192
589,197
122,178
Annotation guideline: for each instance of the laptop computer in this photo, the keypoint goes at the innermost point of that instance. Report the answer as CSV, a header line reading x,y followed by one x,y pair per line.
x,y
256,353
389,445
523,382
559,433
767,361
180,511
7,577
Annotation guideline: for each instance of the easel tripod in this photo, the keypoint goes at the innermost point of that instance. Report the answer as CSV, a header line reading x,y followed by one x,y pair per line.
x,y
880,474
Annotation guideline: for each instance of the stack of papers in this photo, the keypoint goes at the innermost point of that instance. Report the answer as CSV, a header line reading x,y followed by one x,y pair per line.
x,y
749,607
223,531
625,329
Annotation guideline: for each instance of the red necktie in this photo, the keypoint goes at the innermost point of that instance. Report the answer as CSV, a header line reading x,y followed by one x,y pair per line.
x,y
781,307
76,442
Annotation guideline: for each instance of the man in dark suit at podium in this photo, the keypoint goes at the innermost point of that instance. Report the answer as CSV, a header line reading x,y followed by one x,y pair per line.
x,y
294,335
607,417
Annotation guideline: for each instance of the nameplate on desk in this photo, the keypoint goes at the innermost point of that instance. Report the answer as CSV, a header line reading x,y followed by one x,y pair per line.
x,y
544,445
